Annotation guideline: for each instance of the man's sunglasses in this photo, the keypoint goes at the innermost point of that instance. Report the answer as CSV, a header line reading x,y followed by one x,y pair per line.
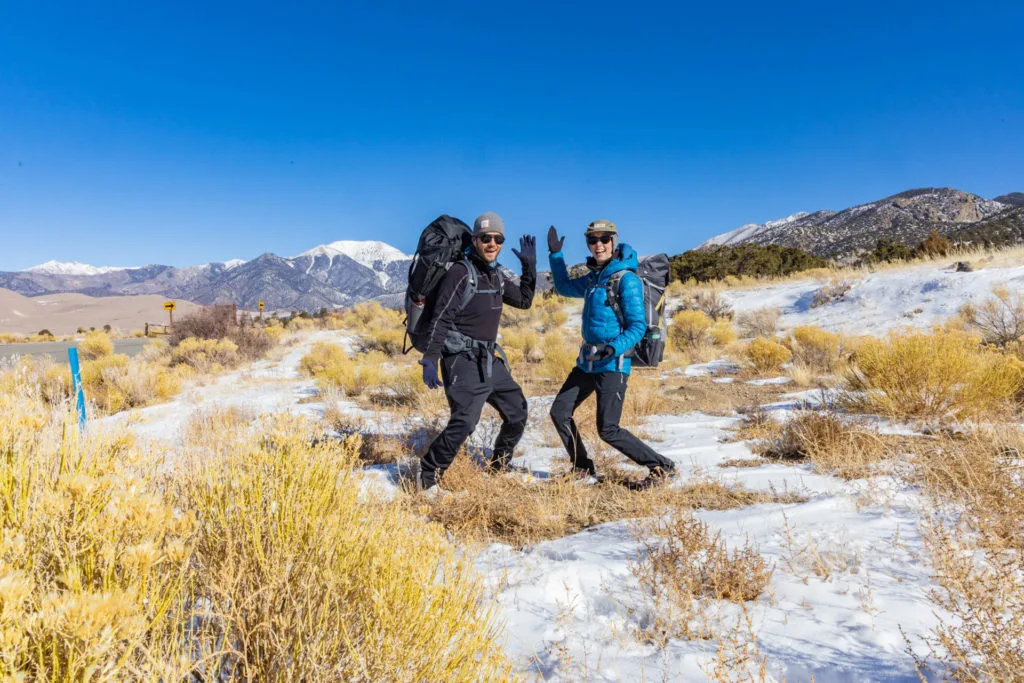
x,y
486,239
603,239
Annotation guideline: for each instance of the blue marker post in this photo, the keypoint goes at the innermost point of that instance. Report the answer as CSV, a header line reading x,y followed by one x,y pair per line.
x,y
76,381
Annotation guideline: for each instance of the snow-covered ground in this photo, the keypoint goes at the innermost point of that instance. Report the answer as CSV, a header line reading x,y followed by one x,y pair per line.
x,y
849,589
919,296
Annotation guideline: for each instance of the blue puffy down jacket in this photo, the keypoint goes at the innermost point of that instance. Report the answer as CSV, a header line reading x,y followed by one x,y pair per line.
x,y
600,323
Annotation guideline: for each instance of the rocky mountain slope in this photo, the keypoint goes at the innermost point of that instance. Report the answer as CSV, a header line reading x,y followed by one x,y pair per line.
x,y
907,217
337,274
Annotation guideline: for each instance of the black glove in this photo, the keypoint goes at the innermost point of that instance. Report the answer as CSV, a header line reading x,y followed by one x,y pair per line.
x,y
527,252
600,352
554,241
430,377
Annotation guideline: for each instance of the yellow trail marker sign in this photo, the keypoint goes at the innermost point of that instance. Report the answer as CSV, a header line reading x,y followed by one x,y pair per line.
x,y
261,305
169,306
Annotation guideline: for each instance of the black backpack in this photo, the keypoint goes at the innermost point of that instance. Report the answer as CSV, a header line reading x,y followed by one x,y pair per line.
x,y
654,273
442,244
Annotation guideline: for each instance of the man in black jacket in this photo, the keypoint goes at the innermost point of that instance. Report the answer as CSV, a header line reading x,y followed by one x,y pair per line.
x,y
463,331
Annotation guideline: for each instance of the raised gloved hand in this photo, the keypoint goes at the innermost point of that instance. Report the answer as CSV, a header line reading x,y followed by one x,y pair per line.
x,y
430,377
554,241
599,352
527,252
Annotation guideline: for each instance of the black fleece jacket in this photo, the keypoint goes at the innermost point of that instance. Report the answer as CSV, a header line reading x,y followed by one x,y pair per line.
x,y
481,316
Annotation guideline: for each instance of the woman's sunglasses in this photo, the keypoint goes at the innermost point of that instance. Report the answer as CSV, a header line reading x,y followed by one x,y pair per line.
x,y
603,239
486,239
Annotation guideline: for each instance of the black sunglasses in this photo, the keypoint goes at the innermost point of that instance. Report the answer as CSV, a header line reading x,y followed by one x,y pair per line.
x,y
594,239
486,239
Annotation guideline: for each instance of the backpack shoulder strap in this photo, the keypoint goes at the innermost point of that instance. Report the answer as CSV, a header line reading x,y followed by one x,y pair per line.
x,y
471,284
611,287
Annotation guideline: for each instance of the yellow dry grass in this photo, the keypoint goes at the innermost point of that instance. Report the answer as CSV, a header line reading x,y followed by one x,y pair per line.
x,y
508,510
95,345
766,356
256,560
940,375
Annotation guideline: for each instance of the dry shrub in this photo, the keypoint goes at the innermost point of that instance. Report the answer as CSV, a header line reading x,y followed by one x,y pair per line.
x,y
507,510
275,333
219,323
115,383
836,290
766,356
998,320
546,313
94,558
682,564
945,374
206,355
690,329
758,424
710,301
522,344
386,341
300,324
984,594
368,592
976,554
368,374
560,354
761,322
815,348
722,333
95,345
370,316
831,444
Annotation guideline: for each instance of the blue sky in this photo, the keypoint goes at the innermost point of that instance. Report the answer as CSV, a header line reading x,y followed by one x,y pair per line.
x,y
183,133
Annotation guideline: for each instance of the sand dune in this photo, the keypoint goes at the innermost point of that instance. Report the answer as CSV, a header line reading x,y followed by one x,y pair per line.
x,y
65,313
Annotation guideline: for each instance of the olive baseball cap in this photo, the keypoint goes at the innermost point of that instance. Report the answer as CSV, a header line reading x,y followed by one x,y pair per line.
x,y
600,226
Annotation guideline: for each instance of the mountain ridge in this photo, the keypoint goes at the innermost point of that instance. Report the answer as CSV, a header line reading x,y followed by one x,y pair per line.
x,y
906,217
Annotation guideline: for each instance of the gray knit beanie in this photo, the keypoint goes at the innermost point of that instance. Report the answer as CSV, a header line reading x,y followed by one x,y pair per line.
x,y
488,222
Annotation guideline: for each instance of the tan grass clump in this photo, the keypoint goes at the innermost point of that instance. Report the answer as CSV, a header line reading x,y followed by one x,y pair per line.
x,y
998,320
306,582
833,445
976,553
682,564
815,348
116,383
722,333
368,375
761,322
94,557
766,356
370,316
95,345
690,329
941,375
386,341
206,355
507,510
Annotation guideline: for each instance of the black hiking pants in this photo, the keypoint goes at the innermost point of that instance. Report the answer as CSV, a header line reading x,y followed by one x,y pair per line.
x,y
468,387
611,394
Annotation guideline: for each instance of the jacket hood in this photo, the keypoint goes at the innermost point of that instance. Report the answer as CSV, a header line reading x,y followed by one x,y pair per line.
x,y
624,259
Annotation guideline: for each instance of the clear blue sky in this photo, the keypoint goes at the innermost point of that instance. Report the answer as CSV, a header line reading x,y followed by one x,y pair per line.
x,y
182,133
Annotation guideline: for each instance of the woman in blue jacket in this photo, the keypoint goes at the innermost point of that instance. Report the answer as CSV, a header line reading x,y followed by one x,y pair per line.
x,y
604,361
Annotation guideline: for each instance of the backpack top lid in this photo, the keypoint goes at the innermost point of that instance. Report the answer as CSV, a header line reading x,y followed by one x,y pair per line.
x,y
655,269
445,230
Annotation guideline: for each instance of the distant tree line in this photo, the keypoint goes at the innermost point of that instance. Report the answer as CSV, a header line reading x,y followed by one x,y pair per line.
x,y
887,250
752,260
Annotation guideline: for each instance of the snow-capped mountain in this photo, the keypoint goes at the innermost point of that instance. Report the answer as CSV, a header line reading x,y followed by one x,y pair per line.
x,y
337,274
371,254
748,232
72,268
907,217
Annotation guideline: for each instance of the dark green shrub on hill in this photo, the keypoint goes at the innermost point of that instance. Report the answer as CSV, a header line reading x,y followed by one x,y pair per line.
x,y
717,263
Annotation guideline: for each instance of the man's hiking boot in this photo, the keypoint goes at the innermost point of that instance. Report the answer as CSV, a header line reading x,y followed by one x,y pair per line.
x,y
584,477
656,477
427,485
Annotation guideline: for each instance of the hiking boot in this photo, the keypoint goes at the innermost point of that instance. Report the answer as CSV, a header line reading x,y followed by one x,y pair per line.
x,y
656,477
584,476
426,482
